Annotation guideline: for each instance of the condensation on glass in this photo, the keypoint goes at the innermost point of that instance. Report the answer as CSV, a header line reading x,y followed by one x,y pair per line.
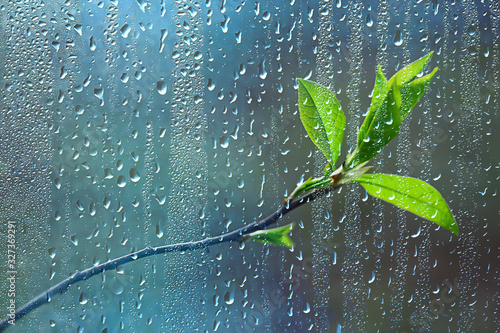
x,y
129,124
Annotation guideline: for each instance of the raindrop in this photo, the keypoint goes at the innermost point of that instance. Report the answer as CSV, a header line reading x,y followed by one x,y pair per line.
x,y
82,299
224,24
57,182
64,73
224,141
134,175
125,30
161,199
79,110
142,5
121,181
106,202
157,167
79,206
99,93
78,29
108,174
92,209
162,87
229,297
372,278
164,34
262,69
52,252
124,78
92,44
211,85
56,45
369,21
398,40
159,232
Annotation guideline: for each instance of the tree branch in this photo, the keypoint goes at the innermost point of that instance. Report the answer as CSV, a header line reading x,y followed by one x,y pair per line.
x,y
236,235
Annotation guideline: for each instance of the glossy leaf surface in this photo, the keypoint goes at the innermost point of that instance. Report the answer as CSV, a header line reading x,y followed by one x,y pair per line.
x,y
410,194
322,117
276,236
391,102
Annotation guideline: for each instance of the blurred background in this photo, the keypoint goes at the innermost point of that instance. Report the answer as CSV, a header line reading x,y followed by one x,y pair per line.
x,y
128,124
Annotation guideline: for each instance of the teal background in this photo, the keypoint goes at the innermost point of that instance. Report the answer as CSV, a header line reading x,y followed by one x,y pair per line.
x,y
128,124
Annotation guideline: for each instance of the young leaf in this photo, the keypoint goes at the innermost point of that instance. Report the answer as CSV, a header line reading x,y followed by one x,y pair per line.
x,y
276,236
309,185
413,91
410,194
410,72
391,102
379,95
323,119
349,176
381,124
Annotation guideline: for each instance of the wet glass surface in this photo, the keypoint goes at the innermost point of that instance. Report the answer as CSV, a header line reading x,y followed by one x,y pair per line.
x,y
128,124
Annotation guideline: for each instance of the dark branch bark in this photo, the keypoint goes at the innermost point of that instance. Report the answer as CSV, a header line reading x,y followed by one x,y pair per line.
x,y
236,235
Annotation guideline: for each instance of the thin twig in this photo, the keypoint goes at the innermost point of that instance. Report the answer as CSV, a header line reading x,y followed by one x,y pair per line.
x,y
236,235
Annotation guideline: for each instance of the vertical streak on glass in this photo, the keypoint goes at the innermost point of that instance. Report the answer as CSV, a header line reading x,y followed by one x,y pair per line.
x,y
62,59
188,173
353,275
26,186
469,126
379,219
304,295
494,90
271,176
383,18
322,219
450,107
426,112
398,283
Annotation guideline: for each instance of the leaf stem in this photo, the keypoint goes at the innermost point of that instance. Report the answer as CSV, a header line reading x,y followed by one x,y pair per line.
x,y
236,235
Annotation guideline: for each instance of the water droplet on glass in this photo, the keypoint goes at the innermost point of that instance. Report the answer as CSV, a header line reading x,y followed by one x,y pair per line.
x,y
262,69
125,30
224,141
121,181
108,174
398,39
159,231
229,297
92,44
82,299
162,87
369,21
134,175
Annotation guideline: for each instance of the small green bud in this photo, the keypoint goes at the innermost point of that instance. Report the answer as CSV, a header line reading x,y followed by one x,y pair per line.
x,y
276,236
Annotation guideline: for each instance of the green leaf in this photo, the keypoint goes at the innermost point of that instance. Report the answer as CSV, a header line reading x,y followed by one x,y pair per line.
x,y
379,95
410,72
410,194
276,236
413,91
351,175
309,185
323,119
391,102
